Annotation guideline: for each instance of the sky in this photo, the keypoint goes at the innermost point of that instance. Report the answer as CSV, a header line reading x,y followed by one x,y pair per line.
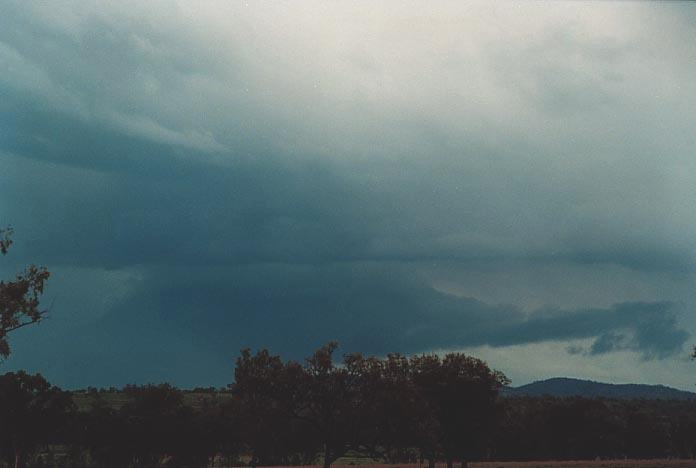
x,y
512,180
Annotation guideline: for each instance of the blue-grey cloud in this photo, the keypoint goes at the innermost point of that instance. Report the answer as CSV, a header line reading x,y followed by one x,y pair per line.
x,y
199,317
256,176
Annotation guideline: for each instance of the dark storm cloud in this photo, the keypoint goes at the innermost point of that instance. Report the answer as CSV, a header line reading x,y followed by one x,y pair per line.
x,y
380,308
132,201
141,101
240,180
199,317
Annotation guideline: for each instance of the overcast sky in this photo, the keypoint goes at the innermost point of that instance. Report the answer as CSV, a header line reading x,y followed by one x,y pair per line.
x,y
512,180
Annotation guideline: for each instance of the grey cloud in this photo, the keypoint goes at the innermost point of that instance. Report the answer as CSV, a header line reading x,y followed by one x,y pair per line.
x,y
178,315
131,201
609,342
473,189
266,171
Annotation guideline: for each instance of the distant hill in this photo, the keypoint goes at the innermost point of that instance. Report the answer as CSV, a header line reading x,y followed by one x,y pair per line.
x,y
566,387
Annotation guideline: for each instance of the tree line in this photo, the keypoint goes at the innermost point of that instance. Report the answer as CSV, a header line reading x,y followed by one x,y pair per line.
x,y
282,412
275,412
394,409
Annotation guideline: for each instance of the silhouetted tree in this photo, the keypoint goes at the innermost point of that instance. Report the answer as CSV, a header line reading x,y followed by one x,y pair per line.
x,y
106,434
164,428
461,393
19,298
390,412
582,428
394,408
267,408
202,433
340,408
337,402
32,412
683,433
365,405
648,434
155,427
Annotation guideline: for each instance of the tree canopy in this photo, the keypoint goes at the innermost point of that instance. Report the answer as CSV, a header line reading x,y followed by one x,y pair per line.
x,y
31,410
19,297
371,405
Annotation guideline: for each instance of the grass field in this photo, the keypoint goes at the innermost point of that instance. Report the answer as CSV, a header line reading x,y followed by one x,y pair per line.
x,y
590,464
549,464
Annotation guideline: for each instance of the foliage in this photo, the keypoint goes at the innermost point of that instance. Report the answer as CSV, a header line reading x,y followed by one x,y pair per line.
x,y
367,404
19,298
461,392
154,427
32,412
395,408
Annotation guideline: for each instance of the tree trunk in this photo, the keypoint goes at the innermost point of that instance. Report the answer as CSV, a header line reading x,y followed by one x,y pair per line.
x,y
450,462
431,462
19,461
327,456
333,453
465,464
